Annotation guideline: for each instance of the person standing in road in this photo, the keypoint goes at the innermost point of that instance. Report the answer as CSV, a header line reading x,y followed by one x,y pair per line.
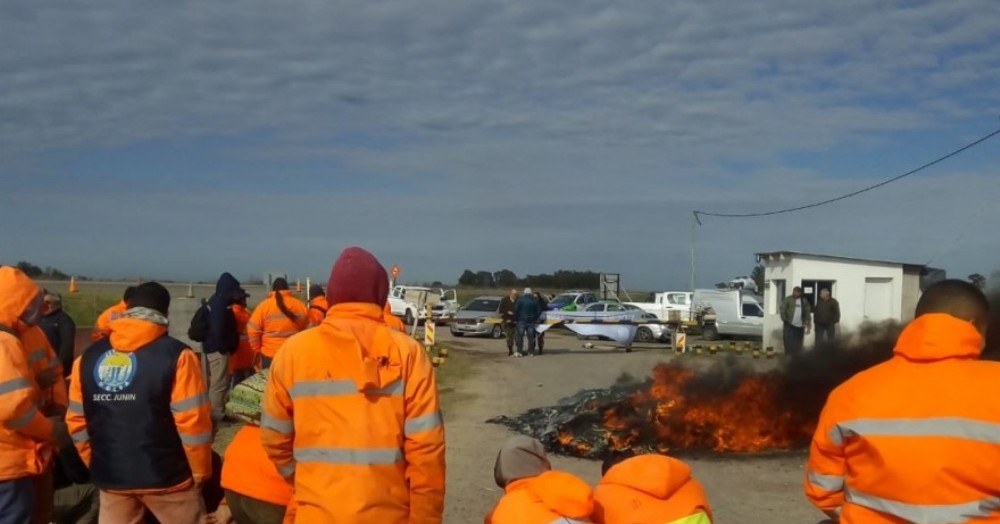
x,y
796,314
826,317
60,329
509,322
274,320
221,340
543,304
351,416
526,311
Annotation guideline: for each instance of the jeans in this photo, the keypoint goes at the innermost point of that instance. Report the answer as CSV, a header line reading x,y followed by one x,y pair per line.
x,y
526,328
17,501
794,338
825,333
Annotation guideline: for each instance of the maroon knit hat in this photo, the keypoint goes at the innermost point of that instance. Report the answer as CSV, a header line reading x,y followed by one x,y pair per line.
x,y
357,276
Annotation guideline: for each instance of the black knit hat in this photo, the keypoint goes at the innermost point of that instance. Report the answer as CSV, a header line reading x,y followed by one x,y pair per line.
x,y
151,295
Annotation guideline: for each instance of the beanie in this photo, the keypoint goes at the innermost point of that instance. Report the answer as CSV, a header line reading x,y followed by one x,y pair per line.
x,y
151,295
357,276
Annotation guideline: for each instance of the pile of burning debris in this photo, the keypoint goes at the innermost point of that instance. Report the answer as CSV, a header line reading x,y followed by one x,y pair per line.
x,y
728,408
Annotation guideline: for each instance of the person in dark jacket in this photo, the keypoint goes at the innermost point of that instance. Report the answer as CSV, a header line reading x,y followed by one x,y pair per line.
x,y
543,303
826,317
796,315
221,340
60,329
527,310
509,321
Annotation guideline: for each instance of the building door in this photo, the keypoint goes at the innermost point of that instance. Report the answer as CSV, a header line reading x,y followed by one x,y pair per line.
x,y
878,299
811,289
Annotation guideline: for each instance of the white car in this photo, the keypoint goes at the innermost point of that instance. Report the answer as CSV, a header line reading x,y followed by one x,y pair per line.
x,y
652,332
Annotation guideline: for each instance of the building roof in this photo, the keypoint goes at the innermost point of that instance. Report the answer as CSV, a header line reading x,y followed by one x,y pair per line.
x,y
835,257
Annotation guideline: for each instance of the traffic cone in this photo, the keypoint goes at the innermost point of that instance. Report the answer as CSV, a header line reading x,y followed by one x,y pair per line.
x,y
72,285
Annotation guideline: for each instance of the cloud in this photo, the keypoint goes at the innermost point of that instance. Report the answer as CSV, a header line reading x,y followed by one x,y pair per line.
x,y
450,133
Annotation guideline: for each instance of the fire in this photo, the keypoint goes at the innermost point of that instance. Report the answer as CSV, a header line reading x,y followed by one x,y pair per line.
x,y
673,413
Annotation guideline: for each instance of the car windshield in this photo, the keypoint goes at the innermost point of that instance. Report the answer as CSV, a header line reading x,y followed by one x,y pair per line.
x,y
562,300
480,304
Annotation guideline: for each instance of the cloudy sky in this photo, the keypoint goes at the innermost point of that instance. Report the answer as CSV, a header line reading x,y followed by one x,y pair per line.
x,y
180,139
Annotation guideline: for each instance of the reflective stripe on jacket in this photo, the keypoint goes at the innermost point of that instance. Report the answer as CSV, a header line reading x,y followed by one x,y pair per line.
x,y
650,489
269,328
47,371
23,427
554,497
914,439
351,413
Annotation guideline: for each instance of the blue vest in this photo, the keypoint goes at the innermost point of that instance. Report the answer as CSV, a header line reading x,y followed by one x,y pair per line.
x,y
126,401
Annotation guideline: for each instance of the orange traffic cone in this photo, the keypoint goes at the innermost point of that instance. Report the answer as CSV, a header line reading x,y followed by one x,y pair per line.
x,y
72,285
298,286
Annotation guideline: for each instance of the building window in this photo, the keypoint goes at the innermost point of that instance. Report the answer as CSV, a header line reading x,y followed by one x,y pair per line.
x,y
777,296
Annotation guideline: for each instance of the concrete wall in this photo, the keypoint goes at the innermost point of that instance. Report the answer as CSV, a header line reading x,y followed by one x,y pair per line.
x,y
849,289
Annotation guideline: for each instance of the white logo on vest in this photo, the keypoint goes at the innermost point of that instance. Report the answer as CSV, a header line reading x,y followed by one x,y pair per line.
x,y
115,371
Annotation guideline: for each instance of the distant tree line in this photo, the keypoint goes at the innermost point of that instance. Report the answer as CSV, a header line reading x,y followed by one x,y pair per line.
x,y
36,272
561,279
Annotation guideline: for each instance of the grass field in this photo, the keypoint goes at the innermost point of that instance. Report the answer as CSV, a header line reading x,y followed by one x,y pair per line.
x,y
84,308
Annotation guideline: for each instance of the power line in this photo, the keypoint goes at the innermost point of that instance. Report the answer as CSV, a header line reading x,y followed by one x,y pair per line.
x,y
970,145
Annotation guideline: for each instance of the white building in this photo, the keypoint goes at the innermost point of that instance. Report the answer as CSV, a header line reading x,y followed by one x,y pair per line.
x,y
867,290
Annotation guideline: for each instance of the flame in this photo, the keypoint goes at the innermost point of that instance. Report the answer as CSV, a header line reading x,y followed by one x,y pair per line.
x,y
671,414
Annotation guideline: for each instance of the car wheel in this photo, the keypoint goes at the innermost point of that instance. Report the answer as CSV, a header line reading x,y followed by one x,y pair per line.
x,y
644,334
408,318
497,331
710,333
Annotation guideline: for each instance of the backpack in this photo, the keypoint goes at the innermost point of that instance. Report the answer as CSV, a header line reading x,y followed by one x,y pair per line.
x,y
198,331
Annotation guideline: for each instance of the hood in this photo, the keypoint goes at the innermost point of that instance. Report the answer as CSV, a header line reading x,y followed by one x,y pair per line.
x,y
656,475
17,291
357,277
561,493
938,336
228,287
520,457
129,334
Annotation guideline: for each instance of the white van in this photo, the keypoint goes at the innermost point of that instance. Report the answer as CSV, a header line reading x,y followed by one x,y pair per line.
x,y
737,313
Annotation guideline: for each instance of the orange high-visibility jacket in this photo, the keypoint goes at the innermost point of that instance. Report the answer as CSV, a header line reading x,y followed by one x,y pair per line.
x,y
23,427
552,497
244,356
392,320
102,328
269,328
650,489
248,471
46,369
351,414
916,438
188,398
317,311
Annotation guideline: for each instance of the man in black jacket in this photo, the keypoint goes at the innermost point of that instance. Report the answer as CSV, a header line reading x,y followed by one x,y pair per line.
x,y
509,322
221,340
60,329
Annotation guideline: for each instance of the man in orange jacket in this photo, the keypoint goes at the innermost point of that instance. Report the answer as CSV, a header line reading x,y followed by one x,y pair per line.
x,y
533,493
274,321
317,305
140,416
916,438
255,491
25,433
102,327
350,413
241,362
649,489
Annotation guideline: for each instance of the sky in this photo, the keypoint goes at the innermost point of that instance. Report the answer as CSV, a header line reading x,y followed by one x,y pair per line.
x,y
177,140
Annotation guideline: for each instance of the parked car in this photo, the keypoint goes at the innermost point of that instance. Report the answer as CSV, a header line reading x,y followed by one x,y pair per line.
x,y
472,318
578,298
652,332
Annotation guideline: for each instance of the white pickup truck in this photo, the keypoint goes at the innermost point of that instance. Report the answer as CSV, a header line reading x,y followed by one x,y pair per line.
x,y
676,304
410,302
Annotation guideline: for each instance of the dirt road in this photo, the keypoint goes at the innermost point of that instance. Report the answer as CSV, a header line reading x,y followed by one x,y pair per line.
x,y
740,490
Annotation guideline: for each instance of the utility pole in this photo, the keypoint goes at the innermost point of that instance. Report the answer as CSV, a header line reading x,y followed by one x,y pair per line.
x,y
694,242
